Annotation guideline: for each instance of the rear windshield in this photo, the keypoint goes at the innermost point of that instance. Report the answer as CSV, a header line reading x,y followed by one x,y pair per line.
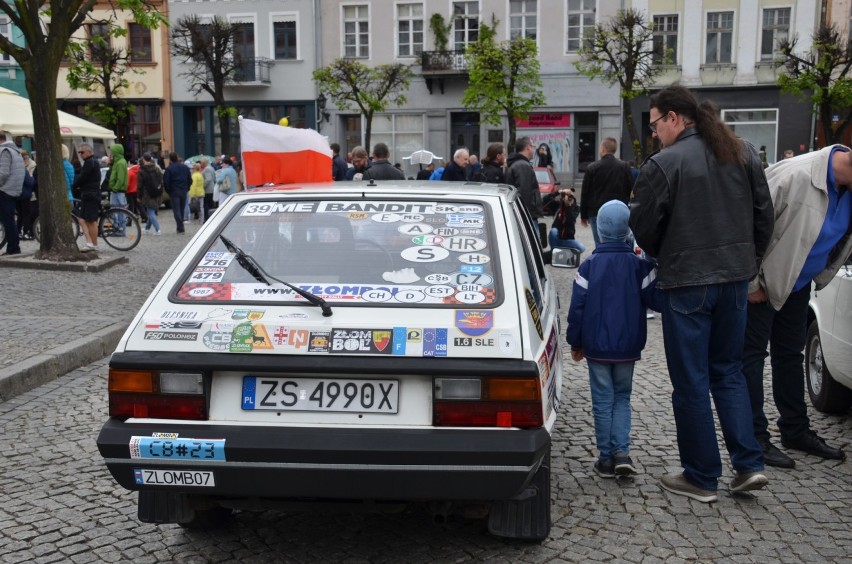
x,y
354,252
542,176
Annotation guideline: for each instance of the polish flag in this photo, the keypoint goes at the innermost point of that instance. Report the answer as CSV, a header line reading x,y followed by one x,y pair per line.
x,y
283,155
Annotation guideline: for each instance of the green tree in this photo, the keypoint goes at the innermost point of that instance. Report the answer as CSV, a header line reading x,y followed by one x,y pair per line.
x,y
822,75
503,77
621,52
102,67
206,47
45,45
352,84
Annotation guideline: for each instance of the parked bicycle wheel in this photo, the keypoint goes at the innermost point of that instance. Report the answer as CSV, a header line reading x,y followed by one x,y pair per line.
x,y
110,230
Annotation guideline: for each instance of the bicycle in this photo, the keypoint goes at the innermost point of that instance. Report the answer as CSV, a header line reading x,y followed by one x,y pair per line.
x,y
110,220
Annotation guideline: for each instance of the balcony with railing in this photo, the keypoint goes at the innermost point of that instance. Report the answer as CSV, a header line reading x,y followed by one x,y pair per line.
x,y
440,65
252,71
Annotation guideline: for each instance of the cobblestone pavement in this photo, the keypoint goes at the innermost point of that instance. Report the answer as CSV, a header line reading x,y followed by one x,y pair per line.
x,y
59,504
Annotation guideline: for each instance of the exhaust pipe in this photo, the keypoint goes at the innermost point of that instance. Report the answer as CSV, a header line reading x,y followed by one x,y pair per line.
x,y
439,510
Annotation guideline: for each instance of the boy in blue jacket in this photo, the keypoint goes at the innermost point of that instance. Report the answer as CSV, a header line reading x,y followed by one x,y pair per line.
x,y
607,327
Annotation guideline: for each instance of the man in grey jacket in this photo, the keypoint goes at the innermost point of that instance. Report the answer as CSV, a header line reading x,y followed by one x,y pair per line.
x,y
11,182
811,240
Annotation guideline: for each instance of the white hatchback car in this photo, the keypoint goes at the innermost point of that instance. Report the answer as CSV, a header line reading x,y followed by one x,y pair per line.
x,y
345,343
828,354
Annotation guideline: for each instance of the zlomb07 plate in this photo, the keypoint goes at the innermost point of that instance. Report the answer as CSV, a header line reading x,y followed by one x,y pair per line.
x,y
320,394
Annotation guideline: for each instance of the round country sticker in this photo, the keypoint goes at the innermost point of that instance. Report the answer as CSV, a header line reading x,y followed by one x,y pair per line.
x,y
439,278
461,278
424,254
409,296
445,208
377,296
461,244
415,229
412,217
439,291
446,231
386,217
469,209
474,258
470,297
427,240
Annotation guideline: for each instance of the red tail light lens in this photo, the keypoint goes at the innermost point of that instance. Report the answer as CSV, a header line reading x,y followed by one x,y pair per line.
x,y
151,394
487,402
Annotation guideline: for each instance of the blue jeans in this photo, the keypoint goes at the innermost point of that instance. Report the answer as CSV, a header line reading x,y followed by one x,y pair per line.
x,y
119,200
7,219
785,331
555,241
611,384
178,199
703,331
152,220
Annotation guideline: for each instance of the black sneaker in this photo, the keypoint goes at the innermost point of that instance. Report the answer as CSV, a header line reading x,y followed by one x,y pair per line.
x,y
604,468
623,464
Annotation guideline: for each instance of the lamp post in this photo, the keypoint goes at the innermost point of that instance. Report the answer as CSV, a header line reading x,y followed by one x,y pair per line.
x,y
321,113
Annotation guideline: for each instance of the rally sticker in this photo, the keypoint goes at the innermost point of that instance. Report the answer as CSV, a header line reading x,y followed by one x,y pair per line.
x,y
446,231
201,292
424,254
465,220
461,244
410,296
361,341
439,278
377,296
474,258
202,275
439,291
412,217
386,217
216,259
415,229
470,297
536,316
173,324
462,278
157,448
433,240
474,323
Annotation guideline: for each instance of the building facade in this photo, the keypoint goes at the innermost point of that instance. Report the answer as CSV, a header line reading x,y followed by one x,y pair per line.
x,y
725,51
149,127
11,75
275,49
577,113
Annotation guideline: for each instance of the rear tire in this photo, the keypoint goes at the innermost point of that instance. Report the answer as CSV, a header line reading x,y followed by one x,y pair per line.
x,y
826,394
110,230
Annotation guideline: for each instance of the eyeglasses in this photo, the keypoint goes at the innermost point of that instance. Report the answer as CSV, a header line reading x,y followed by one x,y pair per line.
x,y
653,124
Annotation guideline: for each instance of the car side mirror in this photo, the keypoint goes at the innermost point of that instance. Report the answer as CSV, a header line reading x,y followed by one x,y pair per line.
x,y
563,257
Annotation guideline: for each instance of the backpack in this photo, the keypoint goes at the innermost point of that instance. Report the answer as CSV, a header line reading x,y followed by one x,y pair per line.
x,y
28,187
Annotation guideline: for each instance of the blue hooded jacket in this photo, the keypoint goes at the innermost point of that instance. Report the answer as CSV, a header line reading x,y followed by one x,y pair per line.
x,y
612,289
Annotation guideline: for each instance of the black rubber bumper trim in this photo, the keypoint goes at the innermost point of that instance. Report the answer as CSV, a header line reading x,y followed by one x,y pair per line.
x,y
335,463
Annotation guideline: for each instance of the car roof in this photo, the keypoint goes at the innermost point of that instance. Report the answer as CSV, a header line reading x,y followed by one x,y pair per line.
x,y
396,188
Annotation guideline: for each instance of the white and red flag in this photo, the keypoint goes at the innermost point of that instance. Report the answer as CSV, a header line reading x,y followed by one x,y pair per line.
x,y
283,155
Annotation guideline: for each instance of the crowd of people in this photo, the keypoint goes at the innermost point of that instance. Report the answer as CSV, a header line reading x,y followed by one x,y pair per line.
x,y
194,189
733,250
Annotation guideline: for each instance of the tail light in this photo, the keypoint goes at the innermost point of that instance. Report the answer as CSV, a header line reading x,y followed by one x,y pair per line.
x,y
159,395
487,402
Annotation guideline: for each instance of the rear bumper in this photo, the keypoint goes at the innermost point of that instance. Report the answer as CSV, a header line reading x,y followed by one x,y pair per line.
x,y
333,463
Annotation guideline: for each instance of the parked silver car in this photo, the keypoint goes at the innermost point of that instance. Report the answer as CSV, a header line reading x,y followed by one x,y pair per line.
x,y
828,353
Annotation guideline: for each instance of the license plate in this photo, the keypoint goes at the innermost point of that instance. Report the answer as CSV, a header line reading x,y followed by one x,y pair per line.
x,y
199,478
327,394
154,448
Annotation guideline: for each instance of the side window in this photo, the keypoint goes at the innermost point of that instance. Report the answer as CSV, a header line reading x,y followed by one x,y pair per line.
x,y
532,256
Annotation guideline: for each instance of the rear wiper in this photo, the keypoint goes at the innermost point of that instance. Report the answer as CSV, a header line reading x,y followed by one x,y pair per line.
x,y
252,267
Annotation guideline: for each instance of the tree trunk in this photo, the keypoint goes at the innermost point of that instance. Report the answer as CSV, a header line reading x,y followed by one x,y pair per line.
x,y
368,130
57,237
638,146
829,136
225,130
513,132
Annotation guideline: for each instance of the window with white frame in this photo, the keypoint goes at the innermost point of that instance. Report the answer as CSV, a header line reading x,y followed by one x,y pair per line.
x,y
402,133
285,36
409,29
720,34
356,31
523,19
580,21
776,28
665,39
757,126
5,31
465,24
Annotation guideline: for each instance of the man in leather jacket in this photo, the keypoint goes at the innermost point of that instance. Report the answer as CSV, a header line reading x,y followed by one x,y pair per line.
x,y
702,209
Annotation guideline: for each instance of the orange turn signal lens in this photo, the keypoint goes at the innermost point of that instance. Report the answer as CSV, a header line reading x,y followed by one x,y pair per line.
x,y
142,381
513,389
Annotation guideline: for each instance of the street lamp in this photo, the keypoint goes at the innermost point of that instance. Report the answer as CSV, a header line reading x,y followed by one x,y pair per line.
x,y
321,100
